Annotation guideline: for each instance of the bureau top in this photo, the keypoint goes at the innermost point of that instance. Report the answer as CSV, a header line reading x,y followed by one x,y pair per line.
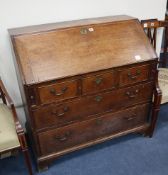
x,y
53,51
66,24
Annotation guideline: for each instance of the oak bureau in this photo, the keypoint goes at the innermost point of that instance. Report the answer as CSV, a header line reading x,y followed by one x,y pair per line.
x,y
84,82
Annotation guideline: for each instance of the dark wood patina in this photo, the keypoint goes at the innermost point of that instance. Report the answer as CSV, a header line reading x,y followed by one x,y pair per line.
x,y
84,82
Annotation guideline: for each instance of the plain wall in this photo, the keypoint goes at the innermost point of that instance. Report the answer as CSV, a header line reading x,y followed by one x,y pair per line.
x,y
18,13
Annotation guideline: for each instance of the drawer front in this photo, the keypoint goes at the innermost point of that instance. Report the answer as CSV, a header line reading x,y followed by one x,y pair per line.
x,y
87,107
72,135
97,83
134,75
57,91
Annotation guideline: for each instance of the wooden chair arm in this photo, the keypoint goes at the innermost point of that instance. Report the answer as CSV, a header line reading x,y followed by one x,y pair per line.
x,y
157,93
5,95
18,126
156,106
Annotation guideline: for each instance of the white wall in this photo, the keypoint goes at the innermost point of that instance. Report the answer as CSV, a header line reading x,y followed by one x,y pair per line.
x,y
16,13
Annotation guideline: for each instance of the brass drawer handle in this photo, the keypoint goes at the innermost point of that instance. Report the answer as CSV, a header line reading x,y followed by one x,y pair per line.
x,y
98,80
65,109
54,92
132,94
64,137
133,77
129,118
99,121
98,98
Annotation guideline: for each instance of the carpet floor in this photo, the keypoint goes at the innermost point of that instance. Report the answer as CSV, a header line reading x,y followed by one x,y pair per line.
x,y
127,155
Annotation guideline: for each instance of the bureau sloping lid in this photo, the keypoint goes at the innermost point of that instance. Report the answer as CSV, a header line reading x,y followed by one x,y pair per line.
x,y
74,48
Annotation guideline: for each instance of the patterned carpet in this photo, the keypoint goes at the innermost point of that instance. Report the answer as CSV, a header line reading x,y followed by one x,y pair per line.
x,y
128,155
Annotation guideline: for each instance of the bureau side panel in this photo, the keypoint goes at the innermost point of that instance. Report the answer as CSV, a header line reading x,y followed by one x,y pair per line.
x,y
24,94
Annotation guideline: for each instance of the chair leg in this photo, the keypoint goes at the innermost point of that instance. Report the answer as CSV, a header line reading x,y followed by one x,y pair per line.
x,y
27,160
156,109
25,152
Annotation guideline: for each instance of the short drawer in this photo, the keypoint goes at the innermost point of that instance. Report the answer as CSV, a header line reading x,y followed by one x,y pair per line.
x,y
82,132
97,83
58,115
57,91
134,75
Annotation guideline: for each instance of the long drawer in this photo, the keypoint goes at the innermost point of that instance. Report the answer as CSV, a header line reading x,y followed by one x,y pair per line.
x,y
78,133
87,107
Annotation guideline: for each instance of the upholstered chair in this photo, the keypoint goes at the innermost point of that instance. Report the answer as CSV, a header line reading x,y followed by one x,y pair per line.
x,y
151,27
12,136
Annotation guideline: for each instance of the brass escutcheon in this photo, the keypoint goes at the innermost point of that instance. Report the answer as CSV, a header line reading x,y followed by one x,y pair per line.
x,y
84,31
98,80
98,98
